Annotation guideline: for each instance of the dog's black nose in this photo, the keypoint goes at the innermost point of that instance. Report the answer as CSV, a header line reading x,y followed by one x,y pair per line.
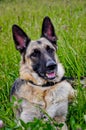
x,y
51,65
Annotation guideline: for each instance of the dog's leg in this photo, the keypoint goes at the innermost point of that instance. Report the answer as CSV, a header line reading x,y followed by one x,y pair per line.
x,y
29,111
59,120
64,127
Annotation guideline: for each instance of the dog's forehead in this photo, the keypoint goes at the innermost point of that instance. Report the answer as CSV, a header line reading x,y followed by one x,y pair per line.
x,y
39,44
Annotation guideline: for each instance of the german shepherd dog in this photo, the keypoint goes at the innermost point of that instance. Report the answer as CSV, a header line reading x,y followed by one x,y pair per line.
x,y
41,83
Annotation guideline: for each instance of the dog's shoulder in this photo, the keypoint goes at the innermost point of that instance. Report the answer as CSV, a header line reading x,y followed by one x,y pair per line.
x,y
16,85
66,88
63,89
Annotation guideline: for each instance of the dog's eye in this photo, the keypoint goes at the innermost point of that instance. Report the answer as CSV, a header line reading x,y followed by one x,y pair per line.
x,y
36,53
49,50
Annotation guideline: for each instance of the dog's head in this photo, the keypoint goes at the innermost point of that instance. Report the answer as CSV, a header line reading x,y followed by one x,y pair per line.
x,y
38,57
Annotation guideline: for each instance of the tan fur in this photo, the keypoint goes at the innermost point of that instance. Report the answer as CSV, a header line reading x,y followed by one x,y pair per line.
x,y
53,99
26,71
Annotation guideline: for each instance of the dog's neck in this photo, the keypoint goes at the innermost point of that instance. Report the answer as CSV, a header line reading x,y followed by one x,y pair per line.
x,y
48,84
33,78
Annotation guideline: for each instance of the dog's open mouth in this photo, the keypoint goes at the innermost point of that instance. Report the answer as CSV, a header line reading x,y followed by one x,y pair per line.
x,y
51,75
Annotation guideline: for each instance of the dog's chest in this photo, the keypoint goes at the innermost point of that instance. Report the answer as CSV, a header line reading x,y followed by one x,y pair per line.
x,y
45,98
54,100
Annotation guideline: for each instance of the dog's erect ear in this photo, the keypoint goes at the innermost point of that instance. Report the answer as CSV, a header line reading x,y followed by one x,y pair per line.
x,y
20,38
48,30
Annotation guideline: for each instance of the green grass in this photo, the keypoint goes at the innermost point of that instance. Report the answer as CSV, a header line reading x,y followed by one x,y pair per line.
x,y
69,19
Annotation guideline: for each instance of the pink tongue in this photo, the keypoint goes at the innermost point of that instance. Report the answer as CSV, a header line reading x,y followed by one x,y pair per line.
x,y
51,75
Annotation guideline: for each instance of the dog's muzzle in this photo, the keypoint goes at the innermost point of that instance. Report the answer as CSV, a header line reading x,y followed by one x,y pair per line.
x,y
51,68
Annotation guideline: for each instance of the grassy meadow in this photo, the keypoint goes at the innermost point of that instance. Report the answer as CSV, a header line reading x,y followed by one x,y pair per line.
x,y
69,19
